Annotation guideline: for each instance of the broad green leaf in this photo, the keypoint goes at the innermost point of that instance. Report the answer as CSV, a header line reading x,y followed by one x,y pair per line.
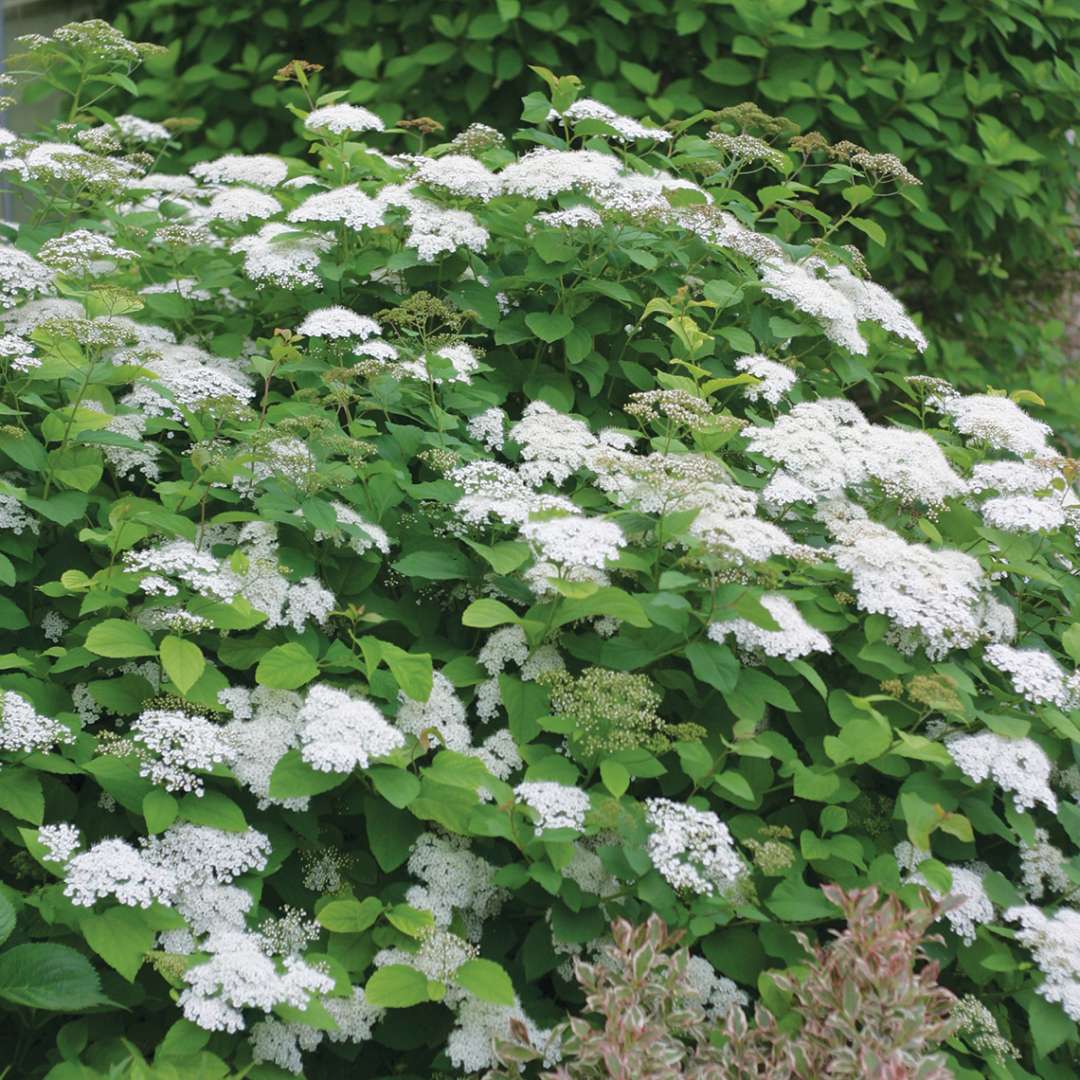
x,y
159,809
486,613
183,662
487,980
286,667
214,809
49,976
7,918
549,326
21,794
119,639
350,916
293,778
121,937
396,986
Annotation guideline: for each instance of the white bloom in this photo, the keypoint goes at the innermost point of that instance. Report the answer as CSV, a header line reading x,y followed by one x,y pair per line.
x,y
1023,513
200,855
281,1043
470,1046
265,726
18,354
1054,941
997,421
23,729
359,534
179,745
1018,766
627,129
1036,675
542,173
575,541
337,322
453,879
489,427
354,1015
62,841
347,204
692,849
937,599
1043,866
493,490
236,204
552,444
556,805
261,170
795,638
975,907
576,217
137,129
459,175
442,716
462,360
115,868
342,118
289,262
776,379
716,994
340,732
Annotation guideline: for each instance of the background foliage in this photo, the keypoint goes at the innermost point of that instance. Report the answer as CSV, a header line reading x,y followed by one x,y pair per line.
x,y
975,97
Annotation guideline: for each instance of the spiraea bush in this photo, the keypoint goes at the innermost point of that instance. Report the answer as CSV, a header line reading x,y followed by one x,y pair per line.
x,y
976,98
416,557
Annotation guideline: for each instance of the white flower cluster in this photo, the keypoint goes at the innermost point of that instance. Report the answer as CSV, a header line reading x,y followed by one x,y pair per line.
x,y
342,118
289,261
178,745
453,879
795,637
939,600
716,994
1054,941
1043,866
839,300
259,170
61,842
338,322
626,129
973,907
996,421
175,563
83,252
692,849
828,447
23,729
775,379
1018,766
575,541
556,806
1036,676
339,733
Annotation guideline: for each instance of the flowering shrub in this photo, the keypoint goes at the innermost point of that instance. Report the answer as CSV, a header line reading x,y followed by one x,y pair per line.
x,y
413,562
975,99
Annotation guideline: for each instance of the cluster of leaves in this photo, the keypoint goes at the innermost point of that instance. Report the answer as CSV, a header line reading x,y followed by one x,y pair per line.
x,y
865,1004
976,100
164,417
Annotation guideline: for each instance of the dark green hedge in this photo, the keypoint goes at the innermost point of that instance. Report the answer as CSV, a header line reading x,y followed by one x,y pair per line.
x,y
975,95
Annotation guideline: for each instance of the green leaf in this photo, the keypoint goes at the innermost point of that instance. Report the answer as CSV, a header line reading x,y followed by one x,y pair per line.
x,y
286,667
78,467
615,776
795,901
549,326
486,613
350,916
608,601
1050,1025
441,564
397,786
294,778
7,918
159,809
871,228
21,795
214,809
487,980
121,937
183,662
49,976
1070,642
412,671
411,921
119,639
396,986
713,664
